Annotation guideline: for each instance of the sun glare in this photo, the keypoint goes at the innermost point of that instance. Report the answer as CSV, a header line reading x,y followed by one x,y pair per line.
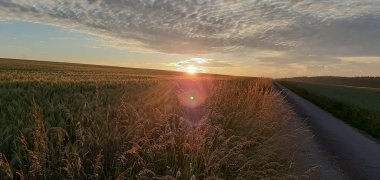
x,y
192,69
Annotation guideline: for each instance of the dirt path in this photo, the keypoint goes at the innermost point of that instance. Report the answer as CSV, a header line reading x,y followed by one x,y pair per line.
x,y
348,152
309,157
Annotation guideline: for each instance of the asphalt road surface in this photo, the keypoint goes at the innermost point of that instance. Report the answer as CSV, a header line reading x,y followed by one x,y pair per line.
x,y
357,154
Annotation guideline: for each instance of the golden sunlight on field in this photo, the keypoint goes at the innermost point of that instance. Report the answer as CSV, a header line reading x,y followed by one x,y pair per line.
x,y
108,122
190,89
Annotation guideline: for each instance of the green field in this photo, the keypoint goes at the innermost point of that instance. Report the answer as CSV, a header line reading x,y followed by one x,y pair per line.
x,y
72,121
358,106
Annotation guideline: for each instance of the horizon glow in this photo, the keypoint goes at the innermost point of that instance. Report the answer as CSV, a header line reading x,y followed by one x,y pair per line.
x,y
247,38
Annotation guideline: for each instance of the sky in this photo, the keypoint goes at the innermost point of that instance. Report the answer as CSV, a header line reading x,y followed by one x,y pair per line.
x,y
270,38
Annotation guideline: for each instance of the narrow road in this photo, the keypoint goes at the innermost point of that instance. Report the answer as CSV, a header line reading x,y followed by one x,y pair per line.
x,y
357,154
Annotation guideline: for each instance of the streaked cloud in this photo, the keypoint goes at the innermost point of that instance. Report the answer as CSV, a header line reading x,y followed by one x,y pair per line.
x,y
199,64
308,34
361,60
204,26
290,59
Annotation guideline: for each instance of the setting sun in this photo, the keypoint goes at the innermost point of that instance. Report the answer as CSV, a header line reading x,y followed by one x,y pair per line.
x,y
190,89
192,69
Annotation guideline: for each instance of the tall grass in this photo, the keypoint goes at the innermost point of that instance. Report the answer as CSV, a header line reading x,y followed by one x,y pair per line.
x,y
140,130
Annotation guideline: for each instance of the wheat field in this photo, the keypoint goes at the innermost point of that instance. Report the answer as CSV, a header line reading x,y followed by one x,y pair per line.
x,y
70,121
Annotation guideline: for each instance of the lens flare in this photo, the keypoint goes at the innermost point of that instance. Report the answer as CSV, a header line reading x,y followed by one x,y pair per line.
x,y
192,95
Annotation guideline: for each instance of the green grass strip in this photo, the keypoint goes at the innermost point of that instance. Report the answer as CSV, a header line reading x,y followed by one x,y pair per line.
x,y
356,116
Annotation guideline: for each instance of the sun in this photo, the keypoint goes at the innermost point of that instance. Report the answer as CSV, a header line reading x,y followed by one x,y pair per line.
x,y
191,69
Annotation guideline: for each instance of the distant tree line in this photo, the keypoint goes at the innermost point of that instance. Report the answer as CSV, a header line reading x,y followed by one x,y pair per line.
x,y
365,81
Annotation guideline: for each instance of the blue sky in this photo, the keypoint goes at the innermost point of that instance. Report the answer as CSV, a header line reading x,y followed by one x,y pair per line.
x,y
243,37
26,40
34,41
